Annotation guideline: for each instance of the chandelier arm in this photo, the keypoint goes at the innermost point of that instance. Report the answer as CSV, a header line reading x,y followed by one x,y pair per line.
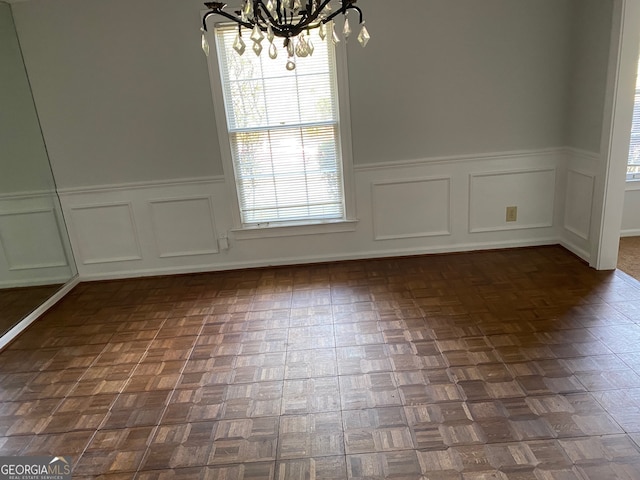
x,y
306,22
263,24
322,5
298,28
344,9
258,12
226,15
282,28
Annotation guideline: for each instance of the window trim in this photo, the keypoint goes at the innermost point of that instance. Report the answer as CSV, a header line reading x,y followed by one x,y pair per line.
x,y
345,148
634,176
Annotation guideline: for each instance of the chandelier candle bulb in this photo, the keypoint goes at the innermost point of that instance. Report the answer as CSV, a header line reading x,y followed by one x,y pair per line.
x,y
288,19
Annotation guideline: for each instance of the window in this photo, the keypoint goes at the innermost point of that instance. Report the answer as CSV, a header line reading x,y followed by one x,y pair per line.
x,y
633,165
287,148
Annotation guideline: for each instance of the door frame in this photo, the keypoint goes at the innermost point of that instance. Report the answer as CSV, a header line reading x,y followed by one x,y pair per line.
x,y
616,132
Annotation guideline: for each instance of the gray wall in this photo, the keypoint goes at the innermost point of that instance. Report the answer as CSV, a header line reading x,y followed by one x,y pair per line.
x,y
123,90
463,76
591,31
24,165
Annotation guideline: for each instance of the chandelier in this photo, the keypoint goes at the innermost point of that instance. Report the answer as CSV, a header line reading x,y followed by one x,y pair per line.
x,y
292,20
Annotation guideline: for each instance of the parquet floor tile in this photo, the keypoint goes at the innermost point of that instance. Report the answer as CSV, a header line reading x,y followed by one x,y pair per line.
x,y
310,436
329,468
518,364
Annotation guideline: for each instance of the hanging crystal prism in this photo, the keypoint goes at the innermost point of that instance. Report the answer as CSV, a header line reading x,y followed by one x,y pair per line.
x,y
270,34
302,50
273,52
328,9
289,45
271,7
205,43
256,34
296,5
257,48
310,46
346,31
291,65
248,8
334,36
322,31
363,36
239,46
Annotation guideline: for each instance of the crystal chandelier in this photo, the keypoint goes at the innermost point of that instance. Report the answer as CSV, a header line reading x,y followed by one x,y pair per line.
x,y
289,19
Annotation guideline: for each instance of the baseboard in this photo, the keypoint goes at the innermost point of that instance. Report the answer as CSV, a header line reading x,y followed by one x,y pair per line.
x,y
277,262
583,254
634,232
11,335
38,282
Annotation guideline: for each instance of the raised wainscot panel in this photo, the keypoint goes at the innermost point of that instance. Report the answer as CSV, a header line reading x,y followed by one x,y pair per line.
x,y
411,208
105,233
21,239
184,226
532,191
578,203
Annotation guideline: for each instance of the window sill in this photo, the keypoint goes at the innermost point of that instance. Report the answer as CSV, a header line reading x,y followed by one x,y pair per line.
x,y
292,230
632,184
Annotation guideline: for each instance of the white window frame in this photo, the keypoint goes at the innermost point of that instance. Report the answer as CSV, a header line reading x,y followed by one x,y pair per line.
x,y
634,176
277,229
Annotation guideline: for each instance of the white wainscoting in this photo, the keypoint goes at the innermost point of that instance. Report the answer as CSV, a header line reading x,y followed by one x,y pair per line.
x,y
578,203
531,191
184,226
22,240
32,249
631,212
580,169
105,233
433,205
144,229
426,208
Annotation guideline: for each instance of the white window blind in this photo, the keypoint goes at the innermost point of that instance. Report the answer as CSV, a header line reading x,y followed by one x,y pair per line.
x,y
283,131
633,167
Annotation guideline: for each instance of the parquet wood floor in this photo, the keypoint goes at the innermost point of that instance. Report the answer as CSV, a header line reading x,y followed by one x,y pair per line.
x,y
17,303
629,256
517,364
